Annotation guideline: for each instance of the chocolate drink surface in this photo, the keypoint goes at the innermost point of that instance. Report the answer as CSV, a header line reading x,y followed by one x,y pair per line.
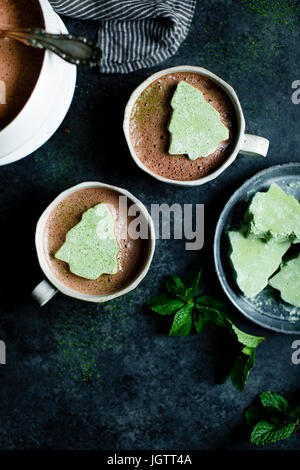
x,y
132,255
20,65
149,133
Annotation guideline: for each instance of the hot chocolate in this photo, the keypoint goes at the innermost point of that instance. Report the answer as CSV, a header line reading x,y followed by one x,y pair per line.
x,y
132,254
20,65
149,133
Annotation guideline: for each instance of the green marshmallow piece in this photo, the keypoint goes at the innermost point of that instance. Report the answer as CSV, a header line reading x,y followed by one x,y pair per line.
x,y
91,246
195,126
287,281
275,214
254,260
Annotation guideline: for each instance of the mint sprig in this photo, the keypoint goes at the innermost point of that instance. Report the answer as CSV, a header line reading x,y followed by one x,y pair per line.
x,y
271,419
192,311
164,304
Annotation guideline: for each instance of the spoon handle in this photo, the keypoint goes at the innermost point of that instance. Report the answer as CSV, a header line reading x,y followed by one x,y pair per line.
x,y
75,49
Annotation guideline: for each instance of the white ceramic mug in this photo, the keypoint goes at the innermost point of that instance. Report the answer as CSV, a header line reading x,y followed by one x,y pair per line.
x,y
48,103
46,290
245,143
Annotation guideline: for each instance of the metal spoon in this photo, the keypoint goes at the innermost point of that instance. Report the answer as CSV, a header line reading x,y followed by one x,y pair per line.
x,y
75,49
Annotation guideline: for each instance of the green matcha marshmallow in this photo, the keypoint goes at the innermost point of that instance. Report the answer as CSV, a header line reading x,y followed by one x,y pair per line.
x,y
195,126
254,261
91,246
287,281
275,214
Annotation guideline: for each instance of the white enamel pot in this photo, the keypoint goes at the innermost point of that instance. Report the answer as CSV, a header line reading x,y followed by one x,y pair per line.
x,y
48,103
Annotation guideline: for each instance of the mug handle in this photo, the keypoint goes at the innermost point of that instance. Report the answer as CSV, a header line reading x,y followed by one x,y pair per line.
x,y
255,146
43,292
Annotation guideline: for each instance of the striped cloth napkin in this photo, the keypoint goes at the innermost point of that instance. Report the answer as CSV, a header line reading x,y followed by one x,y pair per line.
x,y
133,34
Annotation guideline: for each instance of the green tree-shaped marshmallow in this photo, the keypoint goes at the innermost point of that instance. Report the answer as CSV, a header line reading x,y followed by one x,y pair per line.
x,y
195,126
287,281
91,247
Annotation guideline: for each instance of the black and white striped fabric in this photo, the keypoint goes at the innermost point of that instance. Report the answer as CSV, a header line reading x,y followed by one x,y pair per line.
x,y
133,34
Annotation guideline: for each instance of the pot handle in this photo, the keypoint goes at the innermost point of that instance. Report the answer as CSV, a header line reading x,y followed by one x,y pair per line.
x,y
43,292
255,146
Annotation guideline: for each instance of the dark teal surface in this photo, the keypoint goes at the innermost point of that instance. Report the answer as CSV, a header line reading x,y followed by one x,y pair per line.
x,y
83,376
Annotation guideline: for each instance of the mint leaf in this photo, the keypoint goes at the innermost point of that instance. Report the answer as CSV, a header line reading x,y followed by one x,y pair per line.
x,y
274,401
192,279
198,321
247,351
209,309
241,369
295,413
246,339
266,433
176,287
182,322
254,414
244,361
210,301
164,304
